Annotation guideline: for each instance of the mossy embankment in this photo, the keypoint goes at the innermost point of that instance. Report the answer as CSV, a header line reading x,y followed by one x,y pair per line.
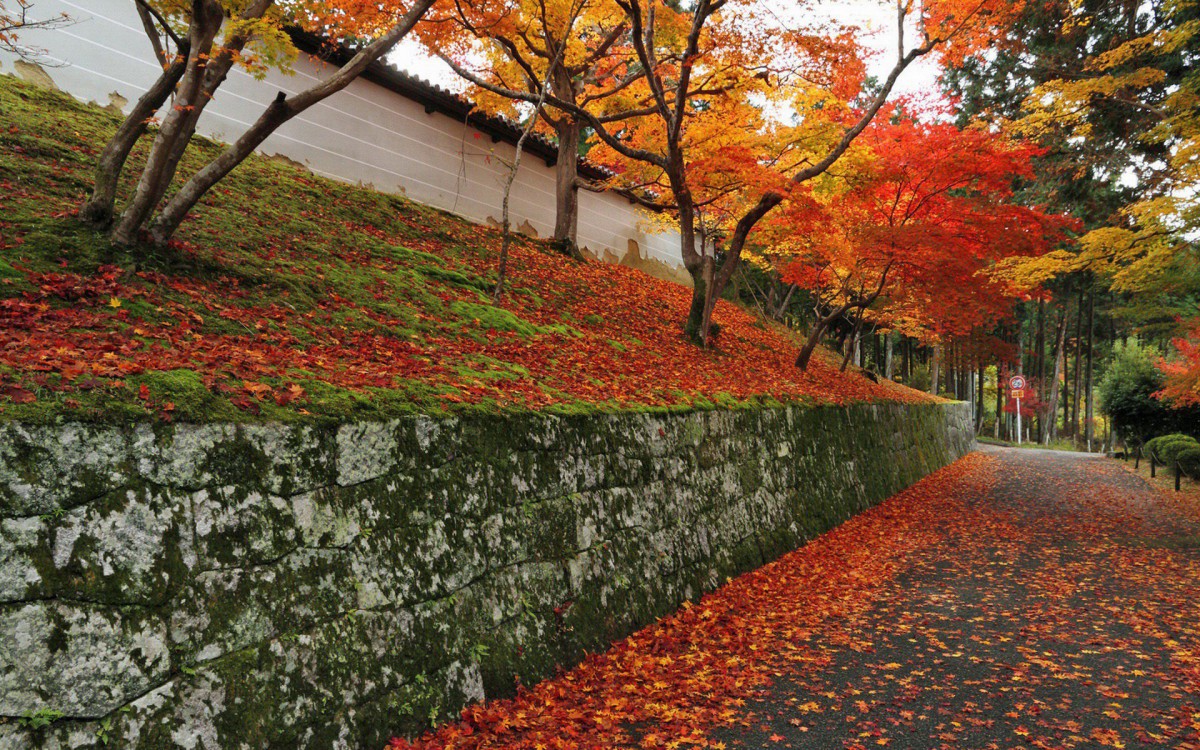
x,y
289,297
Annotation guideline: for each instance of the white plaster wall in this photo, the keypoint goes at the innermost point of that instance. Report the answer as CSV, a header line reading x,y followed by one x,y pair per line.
x,y
365,134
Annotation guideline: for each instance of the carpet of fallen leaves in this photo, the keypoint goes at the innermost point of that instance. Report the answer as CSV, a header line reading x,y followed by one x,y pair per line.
x,y
289,293
1018,599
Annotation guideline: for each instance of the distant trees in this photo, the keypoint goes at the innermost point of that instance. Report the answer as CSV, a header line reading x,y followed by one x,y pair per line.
x,y
1107,88
210,38
1128,395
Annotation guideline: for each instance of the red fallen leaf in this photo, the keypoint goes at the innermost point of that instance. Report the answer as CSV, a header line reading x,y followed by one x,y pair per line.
x,y
144,392
245,404
285,397
258,389
19,395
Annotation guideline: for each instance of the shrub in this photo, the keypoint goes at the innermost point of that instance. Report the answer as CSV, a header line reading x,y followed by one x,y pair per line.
x,y
1189,461
1167,449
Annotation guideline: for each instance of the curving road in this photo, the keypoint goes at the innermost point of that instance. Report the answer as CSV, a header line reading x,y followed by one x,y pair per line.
x,y
1062,610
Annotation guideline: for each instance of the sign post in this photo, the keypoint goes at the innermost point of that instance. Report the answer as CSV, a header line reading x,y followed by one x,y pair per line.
x,y
1017,384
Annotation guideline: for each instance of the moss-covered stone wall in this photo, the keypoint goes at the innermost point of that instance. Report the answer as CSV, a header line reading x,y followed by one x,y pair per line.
x,y
296,587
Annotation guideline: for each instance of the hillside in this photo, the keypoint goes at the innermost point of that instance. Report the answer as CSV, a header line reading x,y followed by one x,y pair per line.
x,y
290,296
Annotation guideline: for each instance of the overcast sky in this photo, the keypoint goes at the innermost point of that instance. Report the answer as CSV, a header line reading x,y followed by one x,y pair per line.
x,y
877,19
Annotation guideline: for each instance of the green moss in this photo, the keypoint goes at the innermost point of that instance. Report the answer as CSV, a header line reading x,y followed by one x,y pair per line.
x,y
490,317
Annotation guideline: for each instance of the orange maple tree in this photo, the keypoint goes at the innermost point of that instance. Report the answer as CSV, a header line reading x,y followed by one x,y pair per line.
x,y
707,47
910,229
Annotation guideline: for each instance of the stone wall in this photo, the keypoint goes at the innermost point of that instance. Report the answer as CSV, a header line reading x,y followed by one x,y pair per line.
x,y
298,587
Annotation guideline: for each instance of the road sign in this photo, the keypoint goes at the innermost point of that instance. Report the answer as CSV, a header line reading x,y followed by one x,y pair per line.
x,y
1017,384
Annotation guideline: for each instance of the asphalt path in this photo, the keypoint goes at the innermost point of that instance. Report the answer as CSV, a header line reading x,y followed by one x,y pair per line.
x,y
1062,610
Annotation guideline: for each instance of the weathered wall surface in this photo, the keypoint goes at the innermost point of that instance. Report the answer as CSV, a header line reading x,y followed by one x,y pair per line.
x,y
365,134
293,587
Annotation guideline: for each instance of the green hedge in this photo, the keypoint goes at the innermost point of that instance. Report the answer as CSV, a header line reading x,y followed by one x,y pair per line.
x,y
1189,461
1166,449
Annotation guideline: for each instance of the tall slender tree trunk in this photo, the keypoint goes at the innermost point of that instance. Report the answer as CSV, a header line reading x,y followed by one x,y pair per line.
x,y
889,356
979,375
1020,347
948,366
1078,362
999,401
1089,414
1049,430
934,369
1039,362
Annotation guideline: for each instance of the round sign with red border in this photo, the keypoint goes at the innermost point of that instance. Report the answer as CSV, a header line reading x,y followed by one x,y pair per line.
x,y
1017,383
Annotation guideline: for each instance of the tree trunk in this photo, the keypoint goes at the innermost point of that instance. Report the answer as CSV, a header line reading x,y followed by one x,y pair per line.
x,y
934,369
889,360
852,351
1078,361
98,209
948,368
566,192
814,336
1020,347
1049,430
1039,361
979,397
1089,415
157,173
999,401
281,110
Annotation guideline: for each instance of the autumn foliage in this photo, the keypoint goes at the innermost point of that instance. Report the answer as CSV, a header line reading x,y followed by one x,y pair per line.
x,y
1182,386
909,231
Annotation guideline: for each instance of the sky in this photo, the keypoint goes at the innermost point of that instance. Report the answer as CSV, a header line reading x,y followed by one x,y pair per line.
x,y
877,19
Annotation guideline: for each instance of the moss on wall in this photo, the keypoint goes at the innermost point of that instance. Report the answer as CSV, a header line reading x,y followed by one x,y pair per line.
x,y
264,586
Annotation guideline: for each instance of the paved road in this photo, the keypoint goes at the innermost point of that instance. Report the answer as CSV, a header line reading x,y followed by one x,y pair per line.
x,y
1017,599
1062,609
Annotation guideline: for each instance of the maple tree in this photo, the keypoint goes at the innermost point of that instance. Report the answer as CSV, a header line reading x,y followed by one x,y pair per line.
x,y
915,221
212,37
1182,383
719,49
571,48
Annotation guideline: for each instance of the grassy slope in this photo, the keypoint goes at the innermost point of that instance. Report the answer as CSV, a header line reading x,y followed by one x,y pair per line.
x,y
290,296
